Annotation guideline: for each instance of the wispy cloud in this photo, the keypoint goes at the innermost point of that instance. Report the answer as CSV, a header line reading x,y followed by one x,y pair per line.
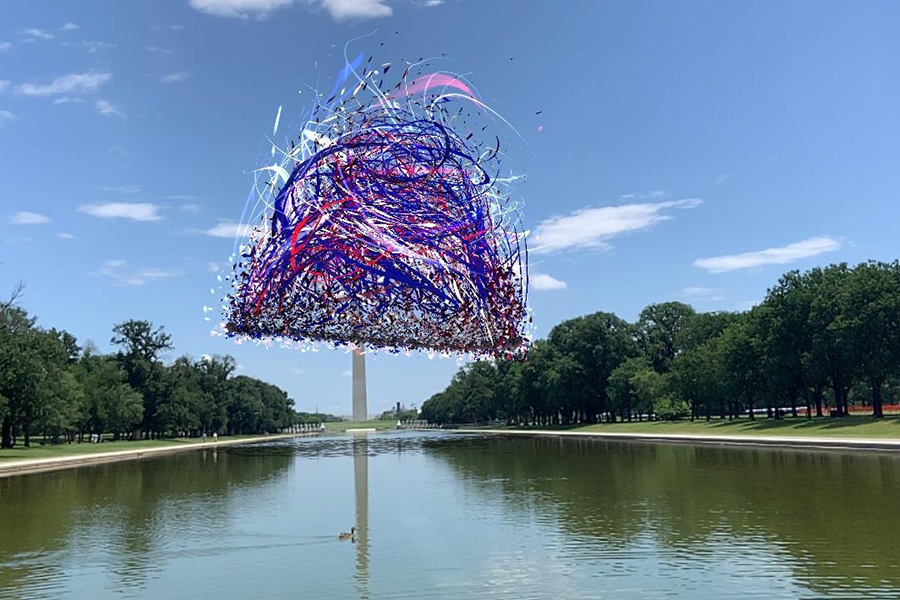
x,y
697,291
770,256
73,83
4,46
158,50
213,267
70,26
227,229
121,189
116,270
5,117
65,235
239,8
357,9
175,77
67,100
702,293
182,197
105,108
4,83
176,27
544,282
134,211
94,46
721,178
434,2
38,34
27,218
260,9
594,228
347,373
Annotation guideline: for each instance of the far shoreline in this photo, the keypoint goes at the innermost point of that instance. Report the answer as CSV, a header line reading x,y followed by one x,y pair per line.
x,y
776,441
28,466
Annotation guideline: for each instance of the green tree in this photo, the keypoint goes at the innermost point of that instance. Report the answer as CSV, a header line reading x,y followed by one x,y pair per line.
x,y
659,332
141,347
599,343
873,322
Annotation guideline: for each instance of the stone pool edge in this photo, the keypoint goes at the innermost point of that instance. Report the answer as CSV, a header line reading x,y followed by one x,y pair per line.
x,y
809,442
40,465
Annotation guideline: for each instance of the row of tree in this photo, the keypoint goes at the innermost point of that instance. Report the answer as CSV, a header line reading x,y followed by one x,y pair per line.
x,y
823,340
49,386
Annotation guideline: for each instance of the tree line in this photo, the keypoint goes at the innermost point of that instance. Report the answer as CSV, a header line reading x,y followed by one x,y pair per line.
x,y
820,342
52,387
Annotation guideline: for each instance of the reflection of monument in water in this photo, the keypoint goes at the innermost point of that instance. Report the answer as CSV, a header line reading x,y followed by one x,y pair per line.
x,y
360,411
361,487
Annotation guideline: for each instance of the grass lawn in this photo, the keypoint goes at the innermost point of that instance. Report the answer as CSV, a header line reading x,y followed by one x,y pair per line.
x,y
20,452
866,427
345,425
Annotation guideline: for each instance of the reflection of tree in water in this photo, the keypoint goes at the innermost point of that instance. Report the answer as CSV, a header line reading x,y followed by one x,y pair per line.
x,y
834,514
123,510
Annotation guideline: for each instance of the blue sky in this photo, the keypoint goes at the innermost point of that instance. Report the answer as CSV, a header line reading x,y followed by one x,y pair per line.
x,y
687,151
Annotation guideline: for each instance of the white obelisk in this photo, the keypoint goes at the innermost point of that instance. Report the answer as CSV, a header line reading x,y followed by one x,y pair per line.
x,y
360,412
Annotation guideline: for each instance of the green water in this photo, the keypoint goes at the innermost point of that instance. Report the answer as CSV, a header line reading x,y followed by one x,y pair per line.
x,y
458,516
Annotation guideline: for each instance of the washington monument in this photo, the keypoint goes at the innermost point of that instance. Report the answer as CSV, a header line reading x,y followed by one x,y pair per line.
x,y
360,411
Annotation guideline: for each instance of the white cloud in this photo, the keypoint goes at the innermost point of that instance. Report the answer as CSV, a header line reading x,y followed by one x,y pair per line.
x,y
182,197
4,46
347,373
158,50
105,108
175,77
697,291
70,26
770,256
6,116
28,218
239,8
338,9
67,100
544,282
114,270
135,211
65,235
227,229
38,34
298,371
723,177
702,293
213,267
121,189
176,27
593,228
357,9
94,46
4,83
73,83
434,2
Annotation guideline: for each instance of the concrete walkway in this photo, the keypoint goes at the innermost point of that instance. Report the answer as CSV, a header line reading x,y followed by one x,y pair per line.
x,y
825,443
37,465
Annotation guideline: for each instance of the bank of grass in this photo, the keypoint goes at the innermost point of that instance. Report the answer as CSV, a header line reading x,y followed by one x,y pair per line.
x,y
850,427
36,450
345,425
